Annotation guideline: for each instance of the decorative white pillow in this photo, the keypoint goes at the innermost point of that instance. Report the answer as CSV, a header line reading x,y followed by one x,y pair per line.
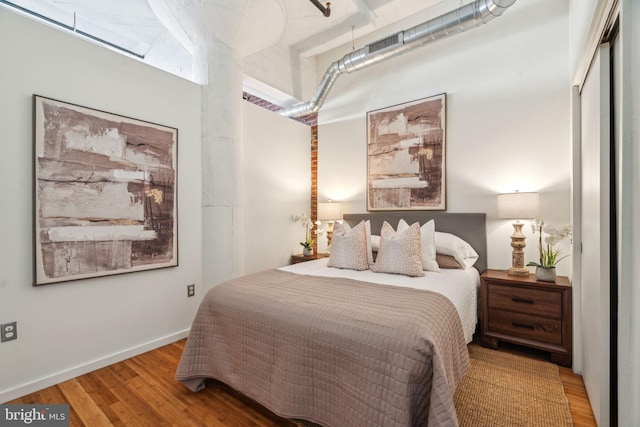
x,y
367,225
375,242
349,247
450,244
428,244
400,252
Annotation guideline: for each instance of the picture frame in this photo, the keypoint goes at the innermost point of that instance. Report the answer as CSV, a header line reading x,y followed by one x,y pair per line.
x,y
406,156
104,193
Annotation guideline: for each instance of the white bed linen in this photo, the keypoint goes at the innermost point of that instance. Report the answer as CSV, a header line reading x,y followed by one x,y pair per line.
x,y
459,286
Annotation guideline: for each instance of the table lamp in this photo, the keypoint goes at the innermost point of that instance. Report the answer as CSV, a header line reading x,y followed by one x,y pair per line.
x,y
330,212
518,206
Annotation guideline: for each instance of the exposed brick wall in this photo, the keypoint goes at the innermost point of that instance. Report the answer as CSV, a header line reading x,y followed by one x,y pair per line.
x,y
311,121
314,178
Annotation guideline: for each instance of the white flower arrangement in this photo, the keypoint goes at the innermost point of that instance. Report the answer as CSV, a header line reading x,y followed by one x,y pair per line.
x,y
549,257
307,223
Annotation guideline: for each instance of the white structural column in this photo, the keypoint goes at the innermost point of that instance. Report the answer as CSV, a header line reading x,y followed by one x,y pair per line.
x,y
222,201
220,33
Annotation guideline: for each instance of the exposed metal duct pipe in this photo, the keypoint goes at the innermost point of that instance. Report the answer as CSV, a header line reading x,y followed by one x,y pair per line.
x,y
466,17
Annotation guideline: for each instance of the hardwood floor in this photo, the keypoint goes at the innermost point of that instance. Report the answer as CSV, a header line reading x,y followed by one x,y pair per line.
x,y
581,411
141,391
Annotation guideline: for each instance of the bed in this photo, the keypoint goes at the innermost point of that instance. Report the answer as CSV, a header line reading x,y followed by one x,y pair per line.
x,y
341,347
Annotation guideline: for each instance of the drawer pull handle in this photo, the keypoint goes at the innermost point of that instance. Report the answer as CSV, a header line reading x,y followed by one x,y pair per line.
x,y
522,300
521,325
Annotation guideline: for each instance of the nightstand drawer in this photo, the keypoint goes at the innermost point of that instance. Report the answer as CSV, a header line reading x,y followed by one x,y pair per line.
x,y
542,329
531,301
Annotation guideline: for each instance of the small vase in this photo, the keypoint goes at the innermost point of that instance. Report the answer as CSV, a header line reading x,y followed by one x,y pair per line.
x,y
307,251
546,274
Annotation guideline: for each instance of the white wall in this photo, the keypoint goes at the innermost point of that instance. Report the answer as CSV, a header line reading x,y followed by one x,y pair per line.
x,y
69,328
282,69
579,22
508,89
277,185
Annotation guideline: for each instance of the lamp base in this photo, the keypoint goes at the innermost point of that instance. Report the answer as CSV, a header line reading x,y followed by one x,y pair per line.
x,y
517,257
518,271
330,225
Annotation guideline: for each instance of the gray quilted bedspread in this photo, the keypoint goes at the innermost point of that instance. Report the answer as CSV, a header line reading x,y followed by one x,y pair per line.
x,y
338,352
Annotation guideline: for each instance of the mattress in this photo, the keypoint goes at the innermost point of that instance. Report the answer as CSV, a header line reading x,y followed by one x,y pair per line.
x,y
459,286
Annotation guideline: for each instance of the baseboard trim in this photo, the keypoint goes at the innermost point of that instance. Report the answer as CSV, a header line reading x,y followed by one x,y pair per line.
x,y
33,386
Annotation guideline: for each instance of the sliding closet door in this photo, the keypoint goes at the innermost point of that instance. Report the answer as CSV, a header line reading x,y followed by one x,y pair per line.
x,y
595,266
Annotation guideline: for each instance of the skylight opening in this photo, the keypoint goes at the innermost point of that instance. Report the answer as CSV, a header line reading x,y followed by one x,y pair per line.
x,y
76,24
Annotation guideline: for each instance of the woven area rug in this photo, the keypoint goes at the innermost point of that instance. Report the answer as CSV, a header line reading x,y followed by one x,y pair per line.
x,y
507,390
504,390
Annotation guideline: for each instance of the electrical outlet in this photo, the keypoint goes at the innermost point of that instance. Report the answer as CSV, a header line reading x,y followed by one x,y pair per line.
x,y
191,290
8,331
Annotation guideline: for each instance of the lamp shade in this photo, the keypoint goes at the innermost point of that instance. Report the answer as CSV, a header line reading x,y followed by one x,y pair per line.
x,y
518,205
329,211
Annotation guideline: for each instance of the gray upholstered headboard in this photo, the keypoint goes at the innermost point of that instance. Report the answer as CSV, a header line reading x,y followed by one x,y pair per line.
x,y
470,227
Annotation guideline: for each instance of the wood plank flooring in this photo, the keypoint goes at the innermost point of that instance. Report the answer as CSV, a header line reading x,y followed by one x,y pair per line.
x,y
141,391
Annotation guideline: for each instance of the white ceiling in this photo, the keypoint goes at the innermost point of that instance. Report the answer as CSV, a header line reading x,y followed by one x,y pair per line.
x,y
162,32
133,25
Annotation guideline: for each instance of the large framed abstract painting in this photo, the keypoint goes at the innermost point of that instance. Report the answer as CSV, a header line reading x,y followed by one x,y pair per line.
x,y
406,156
105,193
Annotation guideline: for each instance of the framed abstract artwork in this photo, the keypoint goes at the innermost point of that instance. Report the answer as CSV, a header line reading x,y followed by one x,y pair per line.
x,y
406,156
105,193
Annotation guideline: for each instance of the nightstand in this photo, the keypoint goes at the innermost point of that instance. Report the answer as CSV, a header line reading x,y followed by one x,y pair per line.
x,y
301,258
527,312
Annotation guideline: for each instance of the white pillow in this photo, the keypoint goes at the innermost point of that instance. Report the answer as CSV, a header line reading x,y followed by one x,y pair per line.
x,y
349,247
449,244
367,225
375,242
428,244
399,252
